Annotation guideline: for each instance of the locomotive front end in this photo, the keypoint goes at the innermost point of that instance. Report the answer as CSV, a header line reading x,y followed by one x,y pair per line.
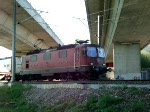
x,y
97,63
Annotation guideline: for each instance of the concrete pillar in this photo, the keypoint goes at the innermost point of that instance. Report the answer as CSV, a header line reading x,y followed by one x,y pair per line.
x,y
127,61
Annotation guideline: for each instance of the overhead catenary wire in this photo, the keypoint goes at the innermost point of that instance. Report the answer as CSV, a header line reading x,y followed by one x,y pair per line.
x,y
33,9
128,4
42,23
107,20
25,40
28,18
125,18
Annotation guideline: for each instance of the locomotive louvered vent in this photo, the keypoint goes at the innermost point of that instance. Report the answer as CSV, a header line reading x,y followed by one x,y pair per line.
x,y
66,46
34,52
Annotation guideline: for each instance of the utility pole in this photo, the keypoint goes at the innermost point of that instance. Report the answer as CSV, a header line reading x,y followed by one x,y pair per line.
x,y
14,45
99,29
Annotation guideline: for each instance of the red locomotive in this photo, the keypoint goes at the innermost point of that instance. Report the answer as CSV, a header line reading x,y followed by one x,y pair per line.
x,y
75,61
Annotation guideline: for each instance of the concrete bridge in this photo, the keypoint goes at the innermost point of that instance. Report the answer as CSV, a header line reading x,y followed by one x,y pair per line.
x,y
32,32
124,32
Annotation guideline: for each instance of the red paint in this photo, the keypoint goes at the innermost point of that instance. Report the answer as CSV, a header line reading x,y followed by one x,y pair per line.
x,y
75,58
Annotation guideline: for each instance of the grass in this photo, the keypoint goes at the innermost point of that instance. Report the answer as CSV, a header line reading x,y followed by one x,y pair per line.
x,y
134,91
103,104
66,107
12,100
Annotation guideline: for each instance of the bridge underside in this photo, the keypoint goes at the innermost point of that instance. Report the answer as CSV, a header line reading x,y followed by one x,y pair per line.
x,y
123,23
32,31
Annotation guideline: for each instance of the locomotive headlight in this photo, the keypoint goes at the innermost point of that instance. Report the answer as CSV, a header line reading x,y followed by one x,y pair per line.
x,y
103,64
91,64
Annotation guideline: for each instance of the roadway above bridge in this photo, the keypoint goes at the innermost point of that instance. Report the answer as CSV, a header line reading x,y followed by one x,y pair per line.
x,y
32,32
124,27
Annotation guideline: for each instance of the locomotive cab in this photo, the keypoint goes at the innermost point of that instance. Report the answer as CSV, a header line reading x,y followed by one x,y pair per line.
x,y
95,59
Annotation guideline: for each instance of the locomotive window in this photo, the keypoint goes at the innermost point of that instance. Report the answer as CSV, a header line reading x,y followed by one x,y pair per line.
x,y
101,52
47,56
34,58
27,64
84,51
91,52
63,54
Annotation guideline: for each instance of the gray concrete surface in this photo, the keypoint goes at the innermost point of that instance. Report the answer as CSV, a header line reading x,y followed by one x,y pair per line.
x,y
123,21
32,31
82,86
127,63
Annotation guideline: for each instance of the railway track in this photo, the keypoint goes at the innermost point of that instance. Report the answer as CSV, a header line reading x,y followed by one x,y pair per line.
x,y
85,84
89,84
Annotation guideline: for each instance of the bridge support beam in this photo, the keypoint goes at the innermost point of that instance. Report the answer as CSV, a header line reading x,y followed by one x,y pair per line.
x,y
24,35
127,61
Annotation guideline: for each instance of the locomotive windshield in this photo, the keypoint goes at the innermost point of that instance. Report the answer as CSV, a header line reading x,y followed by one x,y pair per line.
x,y
101,52
95,52
91,52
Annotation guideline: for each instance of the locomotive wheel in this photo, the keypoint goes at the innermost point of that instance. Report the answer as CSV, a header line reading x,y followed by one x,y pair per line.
x,y
82,76
50,78
23,78
37,77
64,77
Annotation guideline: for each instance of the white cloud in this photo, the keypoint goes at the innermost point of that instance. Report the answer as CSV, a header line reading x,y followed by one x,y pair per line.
x,y
5,52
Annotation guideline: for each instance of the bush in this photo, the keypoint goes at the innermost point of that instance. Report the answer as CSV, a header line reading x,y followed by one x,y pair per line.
x,y
145,59
91,104
107,101
104,104
138,107
135,91
77,108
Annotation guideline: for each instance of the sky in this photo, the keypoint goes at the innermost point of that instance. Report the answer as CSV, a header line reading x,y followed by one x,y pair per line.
x,y
67,18
5,52
63,16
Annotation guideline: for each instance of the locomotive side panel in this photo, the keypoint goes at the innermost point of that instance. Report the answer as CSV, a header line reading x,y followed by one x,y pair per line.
x,y
40,64
63,61
58,61
77,62
67,62
26,65
33,62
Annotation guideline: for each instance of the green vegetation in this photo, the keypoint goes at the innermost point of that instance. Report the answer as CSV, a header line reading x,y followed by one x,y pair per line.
x,y
145,59
11,99
67,107
134,91
103,104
